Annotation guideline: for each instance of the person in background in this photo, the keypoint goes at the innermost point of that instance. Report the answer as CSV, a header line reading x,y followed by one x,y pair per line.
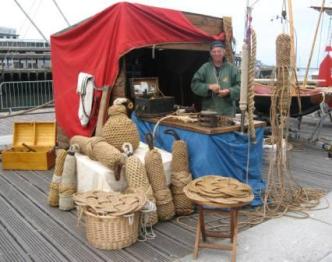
x,y
217,82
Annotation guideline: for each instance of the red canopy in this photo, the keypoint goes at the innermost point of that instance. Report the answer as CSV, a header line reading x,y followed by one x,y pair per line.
x,y
96,45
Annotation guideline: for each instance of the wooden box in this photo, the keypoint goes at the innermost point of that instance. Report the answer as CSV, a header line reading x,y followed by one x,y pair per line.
x,y
33,147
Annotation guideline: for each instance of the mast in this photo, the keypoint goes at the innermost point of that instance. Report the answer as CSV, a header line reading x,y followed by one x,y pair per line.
x,y
291,32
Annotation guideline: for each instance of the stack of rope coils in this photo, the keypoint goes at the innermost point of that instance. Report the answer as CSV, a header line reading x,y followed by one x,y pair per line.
x,y
53,195
111,219
219,190
138,180
68,183
98,149
155,171
119,128
180,175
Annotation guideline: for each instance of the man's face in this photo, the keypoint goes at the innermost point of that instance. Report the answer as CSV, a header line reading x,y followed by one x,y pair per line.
x,y
217,54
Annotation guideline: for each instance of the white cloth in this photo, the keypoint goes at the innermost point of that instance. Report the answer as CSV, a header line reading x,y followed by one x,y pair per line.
x,y
92,175
85,89
166,157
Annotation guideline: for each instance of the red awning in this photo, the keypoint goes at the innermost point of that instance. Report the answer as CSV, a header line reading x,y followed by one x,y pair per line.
x,y
96,45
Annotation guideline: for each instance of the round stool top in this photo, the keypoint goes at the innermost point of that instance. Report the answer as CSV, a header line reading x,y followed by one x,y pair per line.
x,y
218,191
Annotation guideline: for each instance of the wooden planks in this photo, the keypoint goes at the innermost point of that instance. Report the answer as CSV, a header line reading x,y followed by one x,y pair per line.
x,y
27,191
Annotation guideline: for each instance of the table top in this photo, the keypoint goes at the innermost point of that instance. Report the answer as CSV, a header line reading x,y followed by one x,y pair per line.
x,y
196,127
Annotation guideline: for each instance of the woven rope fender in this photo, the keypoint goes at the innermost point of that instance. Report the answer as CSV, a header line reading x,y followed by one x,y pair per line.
x,y
53,194
98,149
68,182
156,175
111,219
137,179
119,128
219,190
180,176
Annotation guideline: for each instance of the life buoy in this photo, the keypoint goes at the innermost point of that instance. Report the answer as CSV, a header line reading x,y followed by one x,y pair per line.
x,y
85,89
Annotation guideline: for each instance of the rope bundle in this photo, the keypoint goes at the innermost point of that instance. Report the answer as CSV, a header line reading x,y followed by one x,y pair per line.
x,y
53,195
219,190
119,129
156,175
67,186
98,149
180,175
138,180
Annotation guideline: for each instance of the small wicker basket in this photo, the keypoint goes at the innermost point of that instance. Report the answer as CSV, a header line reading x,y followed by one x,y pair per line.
x,y
111,232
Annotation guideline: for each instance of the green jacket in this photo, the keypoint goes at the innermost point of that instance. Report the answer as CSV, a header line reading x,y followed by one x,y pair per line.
x,y
229,77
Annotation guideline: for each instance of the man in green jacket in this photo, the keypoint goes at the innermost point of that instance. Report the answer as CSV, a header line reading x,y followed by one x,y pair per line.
x,y
217,82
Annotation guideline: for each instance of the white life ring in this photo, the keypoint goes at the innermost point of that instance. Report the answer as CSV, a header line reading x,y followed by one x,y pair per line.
x,y
85,89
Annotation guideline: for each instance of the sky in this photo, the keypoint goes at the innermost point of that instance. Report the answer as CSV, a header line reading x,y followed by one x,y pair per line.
x,y
45,14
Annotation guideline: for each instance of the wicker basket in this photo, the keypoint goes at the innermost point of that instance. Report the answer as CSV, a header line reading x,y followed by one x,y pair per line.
x,y
111,232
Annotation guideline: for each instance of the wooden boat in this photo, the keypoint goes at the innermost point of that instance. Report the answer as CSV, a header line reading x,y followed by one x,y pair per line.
x,y
310,100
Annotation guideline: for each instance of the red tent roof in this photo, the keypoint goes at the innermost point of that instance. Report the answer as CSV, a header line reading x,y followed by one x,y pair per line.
x,y
96,45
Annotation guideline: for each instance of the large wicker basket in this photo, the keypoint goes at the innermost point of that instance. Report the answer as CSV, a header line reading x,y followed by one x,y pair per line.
x,y
111,232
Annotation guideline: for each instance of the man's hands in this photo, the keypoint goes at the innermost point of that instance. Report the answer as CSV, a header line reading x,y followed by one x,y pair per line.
x,y
224,92
215,88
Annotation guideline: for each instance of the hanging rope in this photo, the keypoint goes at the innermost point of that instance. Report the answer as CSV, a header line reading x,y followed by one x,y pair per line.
x,y
283,195
251,92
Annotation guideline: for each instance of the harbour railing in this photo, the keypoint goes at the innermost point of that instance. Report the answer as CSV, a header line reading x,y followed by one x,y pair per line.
x,y
25,94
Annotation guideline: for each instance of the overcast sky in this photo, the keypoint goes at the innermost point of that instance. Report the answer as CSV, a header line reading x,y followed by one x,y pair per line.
x,y
49,20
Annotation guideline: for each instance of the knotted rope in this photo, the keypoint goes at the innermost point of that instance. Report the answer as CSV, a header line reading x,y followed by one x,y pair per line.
x,y
251,84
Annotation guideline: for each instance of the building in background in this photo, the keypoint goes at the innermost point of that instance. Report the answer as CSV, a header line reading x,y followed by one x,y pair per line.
x,y
21,59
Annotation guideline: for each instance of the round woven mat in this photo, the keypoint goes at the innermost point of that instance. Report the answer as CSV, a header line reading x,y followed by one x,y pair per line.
x,y
219,190
110,203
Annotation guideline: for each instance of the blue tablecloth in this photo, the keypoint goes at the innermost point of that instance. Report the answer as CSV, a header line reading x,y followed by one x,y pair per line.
x,y
227,154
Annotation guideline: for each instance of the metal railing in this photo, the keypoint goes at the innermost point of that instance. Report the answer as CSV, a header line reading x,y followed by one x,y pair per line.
x,y
25,94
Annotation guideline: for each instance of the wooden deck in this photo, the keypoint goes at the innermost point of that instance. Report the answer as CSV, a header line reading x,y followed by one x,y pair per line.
x,y
30,230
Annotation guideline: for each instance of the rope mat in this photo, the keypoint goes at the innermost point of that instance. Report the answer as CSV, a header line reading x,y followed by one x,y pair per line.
x,y
218,190
110,203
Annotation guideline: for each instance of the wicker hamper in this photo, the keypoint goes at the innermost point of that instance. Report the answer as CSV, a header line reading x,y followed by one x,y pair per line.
x,y
111,232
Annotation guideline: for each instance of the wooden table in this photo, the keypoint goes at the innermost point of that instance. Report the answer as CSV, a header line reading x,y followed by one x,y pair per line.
x,y
202,233
195,127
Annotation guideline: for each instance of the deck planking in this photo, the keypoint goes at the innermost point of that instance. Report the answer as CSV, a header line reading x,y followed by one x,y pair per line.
x,y
31,230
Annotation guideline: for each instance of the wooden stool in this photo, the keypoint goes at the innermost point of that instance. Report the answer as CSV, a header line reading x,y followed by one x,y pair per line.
x,y
200,230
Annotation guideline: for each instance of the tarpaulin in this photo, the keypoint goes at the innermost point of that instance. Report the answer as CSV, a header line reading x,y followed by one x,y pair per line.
x,y
96,45
228,154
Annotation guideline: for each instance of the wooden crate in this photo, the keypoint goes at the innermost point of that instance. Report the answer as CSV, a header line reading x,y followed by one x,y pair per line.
x,y
40,137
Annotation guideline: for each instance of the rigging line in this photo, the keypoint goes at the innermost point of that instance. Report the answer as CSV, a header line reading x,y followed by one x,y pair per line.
x,y
329,33
32,22
320,41
60,11
313,44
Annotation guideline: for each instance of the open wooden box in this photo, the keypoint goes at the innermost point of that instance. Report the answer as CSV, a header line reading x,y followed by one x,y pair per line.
x,y
38,151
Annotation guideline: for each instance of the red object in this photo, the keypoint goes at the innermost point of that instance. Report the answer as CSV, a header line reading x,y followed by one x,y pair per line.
x,y
325,71
96,45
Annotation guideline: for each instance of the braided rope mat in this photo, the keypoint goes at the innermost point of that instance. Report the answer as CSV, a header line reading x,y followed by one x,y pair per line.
x,y
110,203
219,190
